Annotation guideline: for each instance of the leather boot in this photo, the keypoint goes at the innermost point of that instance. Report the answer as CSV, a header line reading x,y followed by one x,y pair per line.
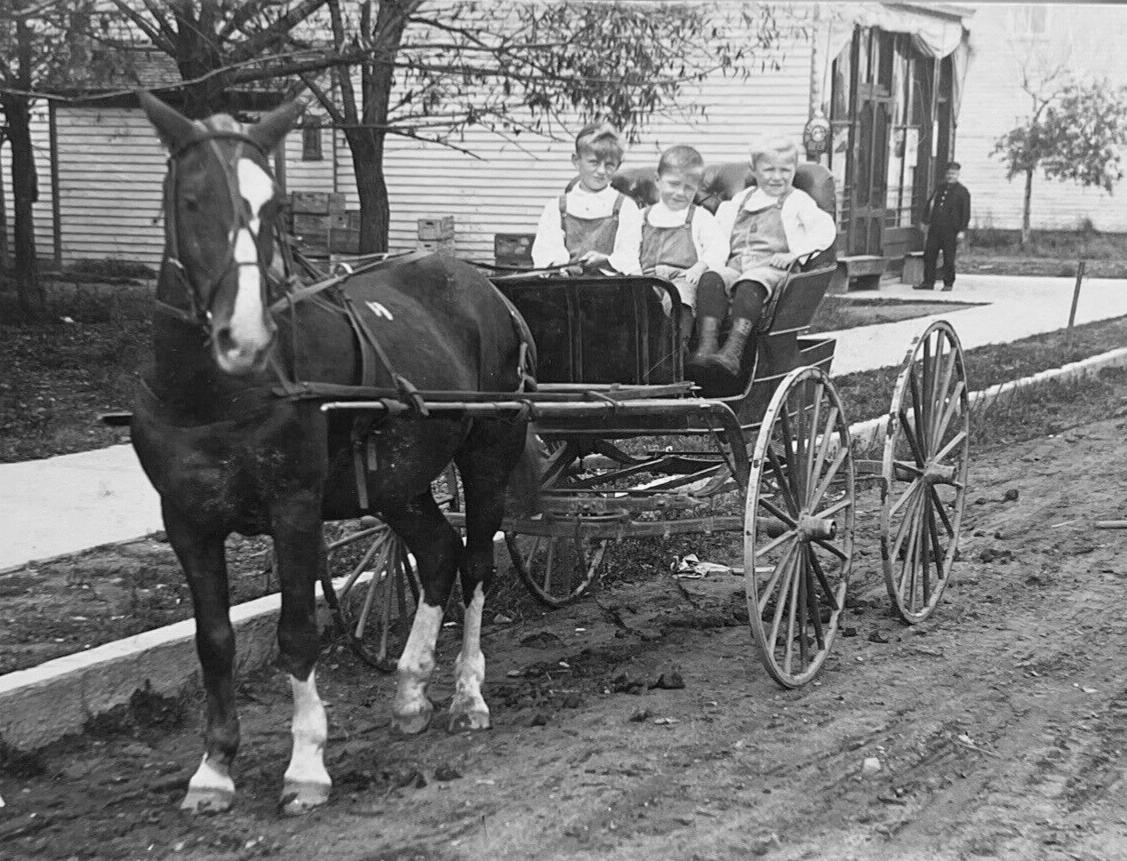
x,y
708,333
730,355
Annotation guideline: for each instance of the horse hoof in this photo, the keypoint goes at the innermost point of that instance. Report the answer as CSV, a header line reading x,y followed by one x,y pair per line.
x,y
301,797
469,721
413,724
203,801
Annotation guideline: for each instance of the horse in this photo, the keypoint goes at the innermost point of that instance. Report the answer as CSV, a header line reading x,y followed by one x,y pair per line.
x,y
232,435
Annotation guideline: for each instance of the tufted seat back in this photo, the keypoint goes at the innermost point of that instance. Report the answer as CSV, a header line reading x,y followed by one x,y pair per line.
x,y
724,181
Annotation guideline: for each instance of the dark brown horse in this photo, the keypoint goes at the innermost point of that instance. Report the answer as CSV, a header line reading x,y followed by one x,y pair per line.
x,y
228,453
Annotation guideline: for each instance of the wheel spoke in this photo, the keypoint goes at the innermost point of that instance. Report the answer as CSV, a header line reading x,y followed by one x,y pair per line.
x,y
792,607
788,450
784,484
765,593
790,534
831,593
775,511
946,450
901,530
908,566
828,437
926,551
824,484
840,554
927,380
938,506
943,381
801,608
953,406
812,600
812,436
780,605
910,438
905,496
835,508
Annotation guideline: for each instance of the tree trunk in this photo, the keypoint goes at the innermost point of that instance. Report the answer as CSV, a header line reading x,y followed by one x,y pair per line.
x,y
1026,206
366,146
17,111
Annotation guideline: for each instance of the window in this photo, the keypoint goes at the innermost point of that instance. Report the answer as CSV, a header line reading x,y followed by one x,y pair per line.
x,y
1030,20
311,140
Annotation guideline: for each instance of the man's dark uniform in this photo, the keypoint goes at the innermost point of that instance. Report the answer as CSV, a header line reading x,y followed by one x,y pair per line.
x,y
947,214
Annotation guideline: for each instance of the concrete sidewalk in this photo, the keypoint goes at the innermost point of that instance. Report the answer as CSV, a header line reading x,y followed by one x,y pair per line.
x,y
66,504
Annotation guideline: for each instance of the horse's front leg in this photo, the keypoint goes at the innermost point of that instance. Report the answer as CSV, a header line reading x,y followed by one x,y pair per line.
x,y
300,554
437,548
202,556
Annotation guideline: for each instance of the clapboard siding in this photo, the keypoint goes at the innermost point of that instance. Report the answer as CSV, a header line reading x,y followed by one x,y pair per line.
x,y
111,165
41,147
1088,40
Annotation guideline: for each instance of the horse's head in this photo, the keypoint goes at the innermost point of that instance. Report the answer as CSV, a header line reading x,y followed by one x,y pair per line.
x,y
220,201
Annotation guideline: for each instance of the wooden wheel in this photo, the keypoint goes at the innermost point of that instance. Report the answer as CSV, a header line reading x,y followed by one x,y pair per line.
x,y
377,602
798,527
924,471
557,569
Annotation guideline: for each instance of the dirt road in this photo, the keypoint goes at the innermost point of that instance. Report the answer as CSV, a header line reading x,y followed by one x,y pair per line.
x,y
994,730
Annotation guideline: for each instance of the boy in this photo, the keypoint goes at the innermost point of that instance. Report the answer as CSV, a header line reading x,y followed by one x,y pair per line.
x,y
591,227
768,226
681,242
947,215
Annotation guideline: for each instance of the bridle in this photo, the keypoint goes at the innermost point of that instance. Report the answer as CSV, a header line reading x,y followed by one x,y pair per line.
x,y
198,312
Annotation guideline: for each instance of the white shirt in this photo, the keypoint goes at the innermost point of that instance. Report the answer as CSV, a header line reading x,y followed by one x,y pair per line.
x,y
548,247
807,226
711,243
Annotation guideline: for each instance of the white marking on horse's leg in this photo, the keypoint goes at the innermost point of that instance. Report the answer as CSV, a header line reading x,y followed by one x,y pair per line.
x,y
211,789
412,710
468,709
249,329
306,783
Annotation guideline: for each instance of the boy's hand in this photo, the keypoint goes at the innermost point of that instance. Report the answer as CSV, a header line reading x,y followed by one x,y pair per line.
x,y
693,273
592,260
782,260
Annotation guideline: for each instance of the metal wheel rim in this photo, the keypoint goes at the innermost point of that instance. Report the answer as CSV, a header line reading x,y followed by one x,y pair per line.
x,y
588,554
801,574
931,389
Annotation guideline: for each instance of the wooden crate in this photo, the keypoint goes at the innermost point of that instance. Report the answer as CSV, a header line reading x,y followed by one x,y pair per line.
x,y
513,249
437,246
436,228
316,202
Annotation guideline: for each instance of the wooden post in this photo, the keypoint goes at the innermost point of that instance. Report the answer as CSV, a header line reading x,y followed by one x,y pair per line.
x,y
1080,266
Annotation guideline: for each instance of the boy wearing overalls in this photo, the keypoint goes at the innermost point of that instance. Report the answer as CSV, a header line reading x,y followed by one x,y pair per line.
x,y
681,242
591,227
768,227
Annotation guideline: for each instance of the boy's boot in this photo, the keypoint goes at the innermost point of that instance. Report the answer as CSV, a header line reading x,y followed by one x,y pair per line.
x,y
729,357
708,333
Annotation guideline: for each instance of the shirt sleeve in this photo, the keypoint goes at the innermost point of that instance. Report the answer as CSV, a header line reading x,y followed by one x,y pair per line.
x,y
965,220
548,248
628,240
818,228
711,242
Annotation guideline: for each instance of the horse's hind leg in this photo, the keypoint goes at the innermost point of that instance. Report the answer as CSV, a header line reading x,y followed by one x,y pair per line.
x,y
300,553
484,469
436,548
211,788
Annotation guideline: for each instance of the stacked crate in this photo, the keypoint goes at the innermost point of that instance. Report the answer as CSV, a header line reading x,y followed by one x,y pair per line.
x,y
313,214
437,234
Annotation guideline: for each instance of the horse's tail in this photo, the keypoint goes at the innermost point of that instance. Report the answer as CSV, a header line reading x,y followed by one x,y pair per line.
x,y
524,480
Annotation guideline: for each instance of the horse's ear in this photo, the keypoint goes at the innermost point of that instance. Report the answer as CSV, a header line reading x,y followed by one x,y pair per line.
x,y
174,128
270,130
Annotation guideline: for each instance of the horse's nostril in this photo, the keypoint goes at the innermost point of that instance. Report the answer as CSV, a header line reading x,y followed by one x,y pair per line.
x,y
223,339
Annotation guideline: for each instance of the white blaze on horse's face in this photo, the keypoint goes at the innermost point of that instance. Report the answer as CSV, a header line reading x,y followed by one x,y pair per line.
x,y
249,332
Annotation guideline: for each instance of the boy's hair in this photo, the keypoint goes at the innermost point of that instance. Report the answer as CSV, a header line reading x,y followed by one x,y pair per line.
x,y
773,145
680,158
600,138
954,165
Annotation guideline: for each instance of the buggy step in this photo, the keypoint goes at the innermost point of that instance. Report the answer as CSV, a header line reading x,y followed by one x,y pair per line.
x,y
859,272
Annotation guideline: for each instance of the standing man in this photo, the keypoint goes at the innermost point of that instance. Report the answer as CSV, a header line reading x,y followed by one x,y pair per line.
x,y
946,215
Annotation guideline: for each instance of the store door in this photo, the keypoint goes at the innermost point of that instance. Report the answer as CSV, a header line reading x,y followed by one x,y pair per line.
x,y
870,169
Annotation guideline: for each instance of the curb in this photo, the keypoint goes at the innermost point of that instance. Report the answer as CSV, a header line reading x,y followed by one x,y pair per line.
x,y
41,704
